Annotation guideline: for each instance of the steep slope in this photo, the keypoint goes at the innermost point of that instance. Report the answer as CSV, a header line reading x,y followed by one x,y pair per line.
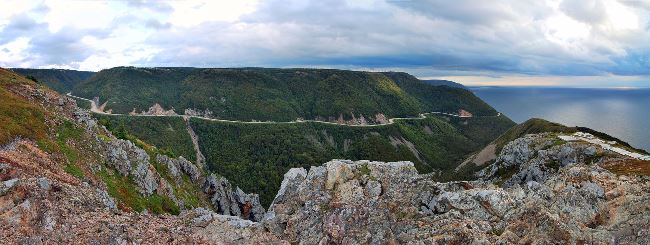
x,y
276,94
17,116
58,165
61,80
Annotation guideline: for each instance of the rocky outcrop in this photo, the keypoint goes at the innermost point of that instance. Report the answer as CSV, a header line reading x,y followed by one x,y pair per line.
x,y
376,203
179,166
536,157
130,160
158,110
228,202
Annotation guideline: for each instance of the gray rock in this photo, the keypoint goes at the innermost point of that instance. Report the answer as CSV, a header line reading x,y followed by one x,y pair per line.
x,y
373,188
48,221
180,166
368,202
106,199
145,178
6,185
227,202
43,183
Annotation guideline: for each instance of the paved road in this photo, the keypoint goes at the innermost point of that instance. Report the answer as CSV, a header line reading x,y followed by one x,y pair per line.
x,y
95,109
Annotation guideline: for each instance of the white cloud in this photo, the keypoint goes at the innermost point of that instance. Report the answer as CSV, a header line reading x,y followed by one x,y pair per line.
x,y
191,12
551,37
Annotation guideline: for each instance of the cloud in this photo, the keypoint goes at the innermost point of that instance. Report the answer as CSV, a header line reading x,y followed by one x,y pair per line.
x,y
588,11
156,6
20,25
637,3
531,37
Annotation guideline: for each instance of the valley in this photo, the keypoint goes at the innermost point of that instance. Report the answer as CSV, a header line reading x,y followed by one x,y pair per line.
x,y
254,153
324,122
208,180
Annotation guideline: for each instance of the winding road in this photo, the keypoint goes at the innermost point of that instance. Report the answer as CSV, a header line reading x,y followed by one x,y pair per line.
x,y
95,109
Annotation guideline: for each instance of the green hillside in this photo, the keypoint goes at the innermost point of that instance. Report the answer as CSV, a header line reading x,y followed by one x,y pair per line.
x,y
60,80
445,83
276,94
18,116
166,133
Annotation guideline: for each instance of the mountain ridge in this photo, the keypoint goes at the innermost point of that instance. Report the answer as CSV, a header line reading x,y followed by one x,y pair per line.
x,y
61,80
276,94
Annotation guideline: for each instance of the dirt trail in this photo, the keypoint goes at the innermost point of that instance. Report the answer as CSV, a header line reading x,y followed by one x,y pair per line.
x,y
200,159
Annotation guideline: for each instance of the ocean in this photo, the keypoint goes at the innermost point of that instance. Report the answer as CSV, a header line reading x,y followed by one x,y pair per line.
x,y
622,113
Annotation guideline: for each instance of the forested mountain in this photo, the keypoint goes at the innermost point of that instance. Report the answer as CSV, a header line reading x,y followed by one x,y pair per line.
x,y
61,80
445,83
277,94
254,156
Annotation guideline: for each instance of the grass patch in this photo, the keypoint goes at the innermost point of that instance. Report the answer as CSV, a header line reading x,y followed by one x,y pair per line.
x,y
18,117
104,138
364,170
66,133
628,167
73,170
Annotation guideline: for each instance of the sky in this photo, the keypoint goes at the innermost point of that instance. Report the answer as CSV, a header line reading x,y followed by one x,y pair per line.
x,y
579,43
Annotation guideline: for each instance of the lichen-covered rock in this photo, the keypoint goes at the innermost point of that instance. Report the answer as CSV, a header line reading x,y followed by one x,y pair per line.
x,y
250,206
536,157
106,199
376,203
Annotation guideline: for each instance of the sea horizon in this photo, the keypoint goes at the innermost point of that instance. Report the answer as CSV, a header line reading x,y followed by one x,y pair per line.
x,y
621,113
